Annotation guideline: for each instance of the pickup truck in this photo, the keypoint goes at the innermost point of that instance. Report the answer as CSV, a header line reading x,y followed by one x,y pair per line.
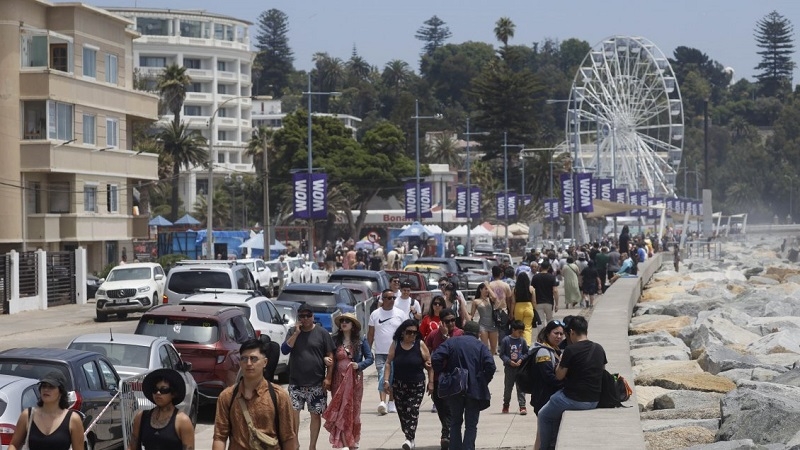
x,y
419,286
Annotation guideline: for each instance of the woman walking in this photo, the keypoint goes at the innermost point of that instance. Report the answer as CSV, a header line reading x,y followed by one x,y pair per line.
x,y
572,290
454,301
351,357
590,284
163,426
409,356
522,304
432,321
485,303
547,353
50,425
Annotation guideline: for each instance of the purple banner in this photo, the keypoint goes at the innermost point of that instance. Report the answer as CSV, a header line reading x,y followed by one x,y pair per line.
x,y
670,204
475,203
425,200
310,202
507,204
584,192
461,202
604,189
500,205
594,188
551,209
525,200
567,193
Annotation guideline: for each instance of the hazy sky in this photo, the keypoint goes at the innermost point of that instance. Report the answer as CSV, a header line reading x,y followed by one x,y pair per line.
x,y
383,30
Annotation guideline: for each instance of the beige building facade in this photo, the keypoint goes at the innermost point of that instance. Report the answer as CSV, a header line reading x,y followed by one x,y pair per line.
x,y
68,109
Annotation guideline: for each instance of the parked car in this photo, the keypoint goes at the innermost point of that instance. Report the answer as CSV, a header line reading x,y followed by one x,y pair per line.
x,y
478,270
262,274
364,301
432,273
452,270
419,286
92,284
263,315
313,274
129,288
90,376
377,281
288,310
208,337
189,276
327,301
16,395
273,265
133,354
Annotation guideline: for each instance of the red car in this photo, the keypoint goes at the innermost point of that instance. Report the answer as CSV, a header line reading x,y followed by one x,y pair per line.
x,y
209,337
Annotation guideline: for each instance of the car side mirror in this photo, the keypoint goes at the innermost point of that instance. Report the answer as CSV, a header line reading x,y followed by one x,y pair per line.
x,y
185,366
285,319
101,281
259,269
159,277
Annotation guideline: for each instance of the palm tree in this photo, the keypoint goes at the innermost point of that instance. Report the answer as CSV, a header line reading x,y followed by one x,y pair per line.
x,y
185,148
395,75
172,85
330,73
259,144
504,30
445,150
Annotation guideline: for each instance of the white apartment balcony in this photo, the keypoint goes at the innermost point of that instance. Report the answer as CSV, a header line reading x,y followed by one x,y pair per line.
x,y
201,98
223,75
245,79
235,167
193,42
226,122
200,74
151,72
245,123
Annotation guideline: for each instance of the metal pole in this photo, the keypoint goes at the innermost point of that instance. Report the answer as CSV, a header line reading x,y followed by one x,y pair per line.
x,y
267,239
210,194
505,183
551,190
469,200
310,243
416,136
705,144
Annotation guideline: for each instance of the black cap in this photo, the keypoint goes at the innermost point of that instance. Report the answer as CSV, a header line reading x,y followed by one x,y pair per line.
x,y
304,307
406,285
55,378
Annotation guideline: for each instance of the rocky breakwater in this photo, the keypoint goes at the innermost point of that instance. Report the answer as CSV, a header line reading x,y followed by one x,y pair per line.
x,y
715,351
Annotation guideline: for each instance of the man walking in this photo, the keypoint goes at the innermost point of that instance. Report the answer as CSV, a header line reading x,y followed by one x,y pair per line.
x,y
383,322
433,341
307,346
614,259
268,406
581,367
469,354
546,288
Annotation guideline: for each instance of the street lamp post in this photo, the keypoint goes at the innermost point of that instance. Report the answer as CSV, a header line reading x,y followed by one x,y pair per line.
x,y
309,93
505,180
416,140
469,189
522,154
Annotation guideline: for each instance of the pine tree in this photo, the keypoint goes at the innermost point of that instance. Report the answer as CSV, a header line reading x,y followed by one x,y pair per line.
x,y
434,34
774,36
275,60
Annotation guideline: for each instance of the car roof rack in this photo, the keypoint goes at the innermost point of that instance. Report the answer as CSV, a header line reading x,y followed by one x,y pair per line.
x,y
206,262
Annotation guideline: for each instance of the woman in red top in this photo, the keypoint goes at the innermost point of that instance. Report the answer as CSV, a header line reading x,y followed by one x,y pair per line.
x,y
431,322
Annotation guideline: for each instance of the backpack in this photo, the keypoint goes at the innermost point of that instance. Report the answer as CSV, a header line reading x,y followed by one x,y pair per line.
x,y
615,390
525,379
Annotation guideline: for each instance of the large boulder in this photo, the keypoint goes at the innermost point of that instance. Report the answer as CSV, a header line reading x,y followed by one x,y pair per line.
x,y
661,425
712,412
718,358
660,339
720,331
740,444
754,374
764,412
687,400
658,293
670,353
671,326
768,281
785,341
683,375
767,325
679,437
646,394
789,378
780,361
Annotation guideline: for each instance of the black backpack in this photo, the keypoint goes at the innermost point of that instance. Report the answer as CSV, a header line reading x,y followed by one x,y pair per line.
x,y
614,391
526,378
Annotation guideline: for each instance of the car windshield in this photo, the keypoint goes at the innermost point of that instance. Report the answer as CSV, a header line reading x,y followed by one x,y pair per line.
x,y
119,354
180,330
251,266
273,266
295,263
137,273
34,369
431,277
189,281
470,264
243,306
370,283
325,299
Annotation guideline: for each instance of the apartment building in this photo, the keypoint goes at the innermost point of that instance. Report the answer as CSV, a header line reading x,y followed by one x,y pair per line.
x,y
268,113
68,177
215,49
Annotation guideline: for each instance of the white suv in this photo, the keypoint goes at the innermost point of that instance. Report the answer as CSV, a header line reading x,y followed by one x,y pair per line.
x,y
261,273
129,288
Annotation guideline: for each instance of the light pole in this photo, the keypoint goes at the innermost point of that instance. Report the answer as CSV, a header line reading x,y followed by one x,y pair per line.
x,y
416,136
522,154
574,163
791,189
505,180
469,189
210,195
309,93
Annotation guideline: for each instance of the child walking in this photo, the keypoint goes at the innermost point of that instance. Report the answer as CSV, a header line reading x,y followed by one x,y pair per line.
x,y
513,349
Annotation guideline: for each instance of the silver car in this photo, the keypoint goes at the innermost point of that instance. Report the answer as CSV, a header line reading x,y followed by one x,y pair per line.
x,y
134,354
479,270
16,394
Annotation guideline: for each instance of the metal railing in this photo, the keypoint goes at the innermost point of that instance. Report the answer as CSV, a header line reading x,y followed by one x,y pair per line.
x,y
28,274
132,400
5,283
60,278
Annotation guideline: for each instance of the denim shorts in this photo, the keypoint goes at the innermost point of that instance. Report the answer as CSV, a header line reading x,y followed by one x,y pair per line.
x,y
380,363
314,396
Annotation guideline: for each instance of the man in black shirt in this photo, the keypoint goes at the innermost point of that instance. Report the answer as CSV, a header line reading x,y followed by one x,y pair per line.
x,y
581,367
546,287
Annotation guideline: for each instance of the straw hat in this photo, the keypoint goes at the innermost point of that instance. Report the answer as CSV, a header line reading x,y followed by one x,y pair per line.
x,y
352,317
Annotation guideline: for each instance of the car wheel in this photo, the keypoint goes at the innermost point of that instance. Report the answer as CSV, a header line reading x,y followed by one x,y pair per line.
x,y
155,300
102,317
195,408
122,315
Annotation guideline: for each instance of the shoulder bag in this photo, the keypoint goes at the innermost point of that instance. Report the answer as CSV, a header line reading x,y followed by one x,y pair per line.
x,y
500,318
453,382
258,439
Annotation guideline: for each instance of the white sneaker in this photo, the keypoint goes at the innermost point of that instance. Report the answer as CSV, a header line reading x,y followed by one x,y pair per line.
x,y
408,445
392,408
382,408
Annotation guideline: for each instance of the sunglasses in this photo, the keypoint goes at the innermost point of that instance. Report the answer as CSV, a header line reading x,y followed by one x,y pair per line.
x,y
395,281
558,322
305,316
408,332
449,320
251,359
162,390
389,297
438,304
344,321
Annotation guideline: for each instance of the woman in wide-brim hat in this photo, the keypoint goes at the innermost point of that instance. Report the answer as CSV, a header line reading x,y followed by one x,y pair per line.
x,y
351,357
163,426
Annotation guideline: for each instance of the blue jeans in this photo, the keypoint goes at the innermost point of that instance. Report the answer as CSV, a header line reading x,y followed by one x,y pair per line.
x,y
467,411
380,363
550,416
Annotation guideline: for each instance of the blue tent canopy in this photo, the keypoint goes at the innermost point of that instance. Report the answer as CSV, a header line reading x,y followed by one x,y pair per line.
x,y
414,230
159,221
187,220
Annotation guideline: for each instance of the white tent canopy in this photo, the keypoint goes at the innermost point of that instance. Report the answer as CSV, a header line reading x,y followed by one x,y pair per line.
x,y
431,229
459,231
479,230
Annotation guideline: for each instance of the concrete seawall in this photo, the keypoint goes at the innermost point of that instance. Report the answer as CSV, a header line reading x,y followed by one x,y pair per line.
x,y
618,428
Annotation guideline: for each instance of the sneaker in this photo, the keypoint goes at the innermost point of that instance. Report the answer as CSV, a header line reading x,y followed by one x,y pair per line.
x,y
408,445
382,408
505,409
523,411
445,443
392,408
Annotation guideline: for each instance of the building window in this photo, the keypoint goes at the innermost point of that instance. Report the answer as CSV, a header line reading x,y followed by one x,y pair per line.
x,y
34,50
191,28
112,132
34,118
59,124
89,127
194,87
223,32
59,57
222,112
191,63
152,27
201,187
222,135
89,62
34,197
192,110
112,198
152,61
89,198
222,89
221,157
221,66
58,197
111,68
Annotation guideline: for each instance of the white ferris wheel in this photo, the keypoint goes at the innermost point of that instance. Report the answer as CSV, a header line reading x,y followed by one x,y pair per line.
x,y
625,116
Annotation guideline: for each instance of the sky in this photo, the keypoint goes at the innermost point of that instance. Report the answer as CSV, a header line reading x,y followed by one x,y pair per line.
x,y
383,30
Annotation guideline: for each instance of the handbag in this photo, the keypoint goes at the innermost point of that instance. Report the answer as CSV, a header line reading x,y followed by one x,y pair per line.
x,y
453,383
258,439
500,318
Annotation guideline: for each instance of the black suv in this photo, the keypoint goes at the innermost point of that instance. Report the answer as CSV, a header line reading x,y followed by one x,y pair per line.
x,y
453,270
90,375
